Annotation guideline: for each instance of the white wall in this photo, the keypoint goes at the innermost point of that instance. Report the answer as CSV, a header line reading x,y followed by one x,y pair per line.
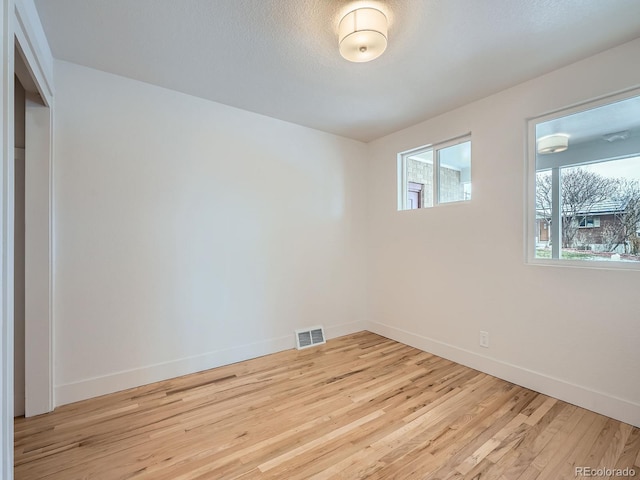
x,y
190,234
439,276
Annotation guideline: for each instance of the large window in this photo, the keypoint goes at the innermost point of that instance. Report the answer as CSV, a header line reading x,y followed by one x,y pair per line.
x,y
435,174
585,184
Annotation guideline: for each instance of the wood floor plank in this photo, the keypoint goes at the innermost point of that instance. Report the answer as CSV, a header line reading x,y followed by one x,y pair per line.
x,y
631,450
360,406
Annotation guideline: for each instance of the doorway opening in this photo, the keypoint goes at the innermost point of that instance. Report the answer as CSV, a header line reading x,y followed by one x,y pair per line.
x,y
33,346
18,251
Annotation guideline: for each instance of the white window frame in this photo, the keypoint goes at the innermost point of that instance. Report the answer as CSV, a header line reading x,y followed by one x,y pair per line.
x,y
403,189
555,234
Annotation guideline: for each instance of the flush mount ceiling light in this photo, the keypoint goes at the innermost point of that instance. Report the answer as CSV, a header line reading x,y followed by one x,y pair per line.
x,y
362,34
558,142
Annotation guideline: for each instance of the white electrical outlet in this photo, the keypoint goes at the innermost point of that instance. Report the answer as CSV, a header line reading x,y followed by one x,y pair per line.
x,y
484,339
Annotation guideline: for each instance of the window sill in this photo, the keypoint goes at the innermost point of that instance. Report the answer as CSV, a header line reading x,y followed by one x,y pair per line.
x,y
590,264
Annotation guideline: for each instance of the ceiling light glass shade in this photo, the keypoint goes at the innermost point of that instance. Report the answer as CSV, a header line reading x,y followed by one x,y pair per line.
x,y
555,143
362,35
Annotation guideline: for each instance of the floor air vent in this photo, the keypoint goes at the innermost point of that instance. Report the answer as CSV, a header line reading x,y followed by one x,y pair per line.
x,y
309,337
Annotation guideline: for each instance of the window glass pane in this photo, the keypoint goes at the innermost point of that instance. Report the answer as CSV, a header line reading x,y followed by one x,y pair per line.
x,y
454,173
588,180
600,205
420,179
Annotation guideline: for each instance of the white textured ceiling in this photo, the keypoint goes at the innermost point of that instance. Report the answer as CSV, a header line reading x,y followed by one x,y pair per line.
x,y
280,57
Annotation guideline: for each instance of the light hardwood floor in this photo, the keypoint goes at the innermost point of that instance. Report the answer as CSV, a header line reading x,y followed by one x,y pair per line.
x,y
361,406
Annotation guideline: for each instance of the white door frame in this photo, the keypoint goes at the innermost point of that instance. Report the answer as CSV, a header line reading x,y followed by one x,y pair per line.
x,y
6,237
30,69
20,26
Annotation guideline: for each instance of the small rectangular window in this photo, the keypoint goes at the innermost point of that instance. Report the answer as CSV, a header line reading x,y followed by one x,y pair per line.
x,y
585,184
435,174
588,221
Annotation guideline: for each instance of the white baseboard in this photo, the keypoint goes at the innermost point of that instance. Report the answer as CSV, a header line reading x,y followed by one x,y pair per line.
x,y
343,329
115,382
598,402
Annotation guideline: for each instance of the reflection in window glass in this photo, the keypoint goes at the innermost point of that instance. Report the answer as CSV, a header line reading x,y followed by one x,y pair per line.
x,y
454,172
